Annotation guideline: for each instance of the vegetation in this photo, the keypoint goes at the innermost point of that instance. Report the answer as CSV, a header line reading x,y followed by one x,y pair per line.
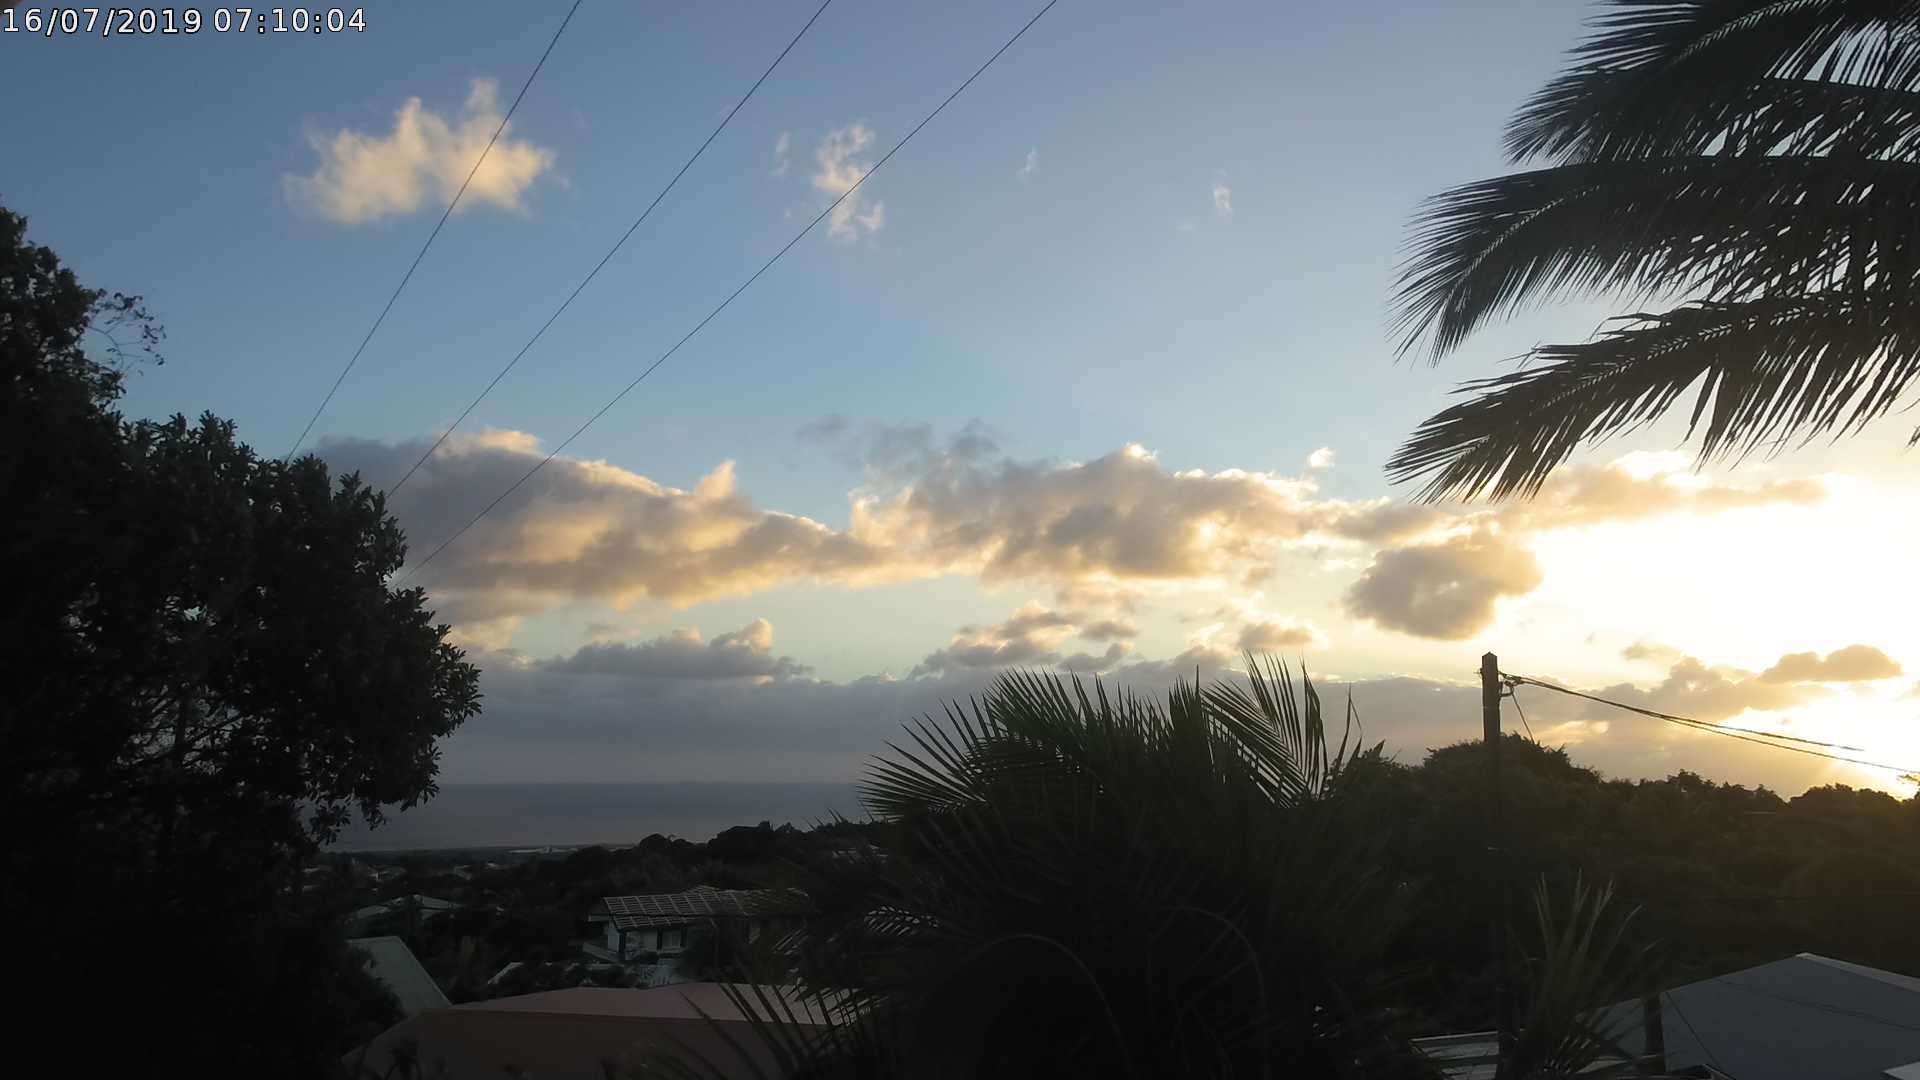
x,y
206,672
1116,888
1752,158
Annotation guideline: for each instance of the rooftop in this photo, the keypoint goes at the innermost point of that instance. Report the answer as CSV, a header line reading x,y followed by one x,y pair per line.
x,y
703,902
395,965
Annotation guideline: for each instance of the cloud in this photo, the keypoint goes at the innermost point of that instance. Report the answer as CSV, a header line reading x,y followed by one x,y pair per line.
x,y
587,530
1084,663
841,166
1447,590
1651,651
825,429
1109,630
1031,165
1104,530
1119,517
1697,691
1855,663
543,723
1444,572
1271,636
1030,636
1222,199
781,144
747,653
423,161
1321,458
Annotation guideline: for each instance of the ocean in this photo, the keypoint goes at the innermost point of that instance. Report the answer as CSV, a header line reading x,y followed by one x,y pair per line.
x,y
569,815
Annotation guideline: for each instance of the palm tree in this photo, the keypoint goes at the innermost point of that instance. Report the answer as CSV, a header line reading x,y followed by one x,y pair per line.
x,y
1094,884
1754,162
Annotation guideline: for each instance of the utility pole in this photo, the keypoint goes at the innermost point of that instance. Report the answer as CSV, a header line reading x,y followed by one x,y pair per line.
x,y
1496,836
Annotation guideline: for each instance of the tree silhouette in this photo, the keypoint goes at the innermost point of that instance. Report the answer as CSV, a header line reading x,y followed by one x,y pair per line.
x,y
206,671
1755,158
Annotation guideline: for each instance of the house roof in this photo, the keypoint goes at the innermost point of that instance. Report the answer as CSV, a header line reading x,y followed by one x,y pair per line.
x,y
401,903
395,965
703,902
566,1034
1806,1017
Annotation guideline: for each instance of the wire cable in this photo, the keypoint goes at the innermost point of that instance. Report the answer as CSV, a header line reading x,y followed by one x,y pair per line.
x,y
1762,738
1513,695
711,315
1513,680
432,236
611,252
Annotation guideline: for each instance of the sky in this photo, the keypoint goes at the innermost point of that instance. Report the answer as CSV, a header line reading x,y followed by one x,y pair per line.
x,y
1094,375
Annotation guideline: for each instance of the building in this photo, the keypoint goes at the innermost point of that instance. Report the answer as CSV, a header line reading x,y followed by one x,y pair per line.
x,y
394,964
569,1034
415,906
1806,1017
660,923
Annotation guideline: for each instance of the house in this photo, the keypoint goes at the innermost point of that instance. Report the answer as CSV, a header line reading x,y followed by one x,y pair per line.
x,y
568,1034
394,964
416,905
1806,1017
660,922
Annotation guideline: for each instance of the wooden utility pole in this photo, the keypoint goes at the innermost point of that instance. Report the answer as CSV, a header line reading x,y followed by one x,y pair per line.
x,y
1496,836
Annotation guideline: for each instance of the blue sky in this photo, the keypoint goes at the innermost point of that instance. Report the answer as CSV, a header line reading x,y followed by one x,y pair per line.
x,y
1171,226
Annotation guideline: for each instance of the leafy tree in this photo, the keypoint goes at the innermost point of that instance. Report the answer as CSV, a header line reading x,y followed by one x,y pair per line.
x,y
1754,157
207,671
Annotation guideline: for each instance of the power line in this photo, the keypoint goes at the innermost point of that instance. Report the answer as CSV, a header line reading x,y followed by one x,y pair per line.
x,y
722,306
1514,697
398,289
1751,735
611,252
1519,679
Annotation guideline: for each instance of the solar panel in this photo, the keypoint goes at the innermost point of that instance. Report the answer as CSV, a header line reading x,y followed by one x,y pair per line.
x,y
704,902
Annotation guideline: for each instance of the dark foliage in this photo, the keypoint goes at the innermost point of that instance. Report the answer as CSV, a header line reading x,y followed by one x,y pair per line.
x,y
205,671
1757,160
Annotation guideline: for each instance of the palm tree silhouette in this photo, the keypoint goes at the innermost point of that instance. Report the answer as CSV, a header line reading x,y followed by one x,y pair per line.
x,y
1758,161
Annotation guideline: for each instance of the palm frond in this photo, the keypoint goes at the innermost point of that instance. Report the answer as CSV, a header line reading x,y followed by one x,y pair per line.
x,y
1725,228
1646,55
1767,370
1578,963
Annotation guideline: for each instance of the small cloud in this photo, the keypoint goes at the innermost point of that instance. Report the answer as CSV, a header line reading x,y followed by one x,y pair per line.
x,y
781,145
1855,663
1271,636
1222,199
1652,652
825,429
1447,591
1321,458
1032,164
424,159
841,166
1184,227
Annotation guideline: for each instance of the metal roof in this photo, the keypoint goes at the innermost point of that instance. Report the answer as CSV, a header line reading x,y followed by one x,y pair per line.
x,y
395,965
703,902
1806,1017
